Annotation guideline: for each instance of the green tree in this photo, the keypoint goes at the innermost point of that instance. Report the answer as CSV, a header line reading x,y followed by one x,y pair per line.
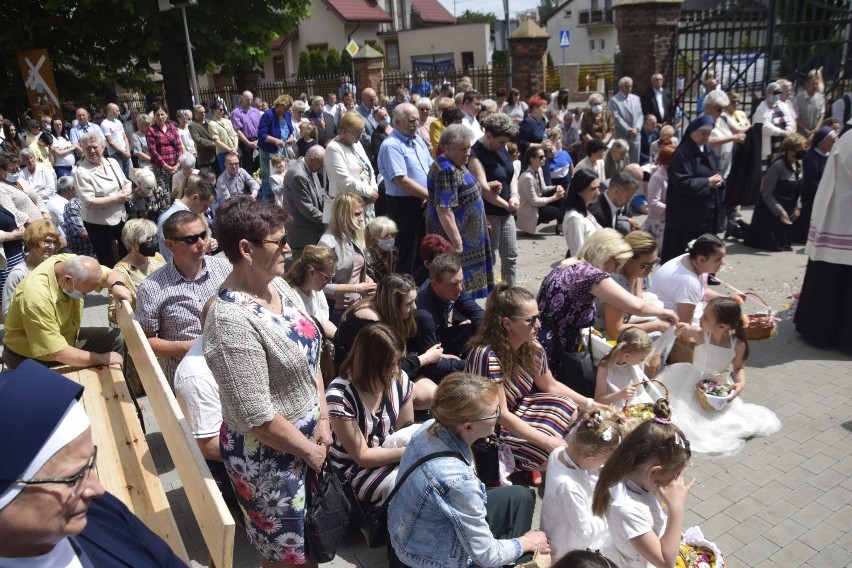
x,y
346,63
547,8
475,17
305,65
94,44
318,67
332,62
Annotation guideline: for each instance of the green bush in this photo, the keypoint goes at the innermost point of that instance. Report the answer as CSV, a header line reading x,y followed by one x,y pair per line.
x,y
318,65
332,63
305,68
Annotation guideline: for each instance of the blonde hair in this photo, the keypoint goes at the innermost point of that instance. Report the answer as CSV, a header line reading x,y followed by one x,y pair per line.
x,y
641,242
462,397
379,226
351,120
630,340
597,432
342,223
38,231
601,246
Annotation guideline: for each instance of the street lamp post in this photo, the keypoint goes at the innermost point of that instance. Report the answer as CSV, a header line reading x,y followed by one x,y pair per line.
x,y
165,6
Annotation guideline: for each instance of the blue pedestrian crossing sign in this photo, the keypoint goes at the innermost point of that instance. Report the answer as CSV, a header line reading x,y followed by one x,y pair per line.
x,y
564,38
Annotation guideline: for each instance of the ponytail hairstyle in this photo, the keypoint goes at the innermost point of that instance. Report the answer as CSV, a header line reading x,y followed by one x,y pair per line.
x,y
630,340
504,301
320,258
584,559
705,246
598,432
729,312
654,440
462,397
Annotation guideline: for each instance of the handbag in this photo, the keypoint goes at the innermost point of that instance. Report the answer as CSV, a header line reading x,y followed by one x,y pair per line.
x,y
326,515
486,460
578,368
375,525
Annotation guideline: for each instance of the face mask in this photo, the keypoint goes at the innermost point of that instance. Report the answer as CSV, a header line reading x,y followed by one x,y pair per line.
x,y
148,248
800,155
384,122
773,98
597,109
387,244
73,294
13,178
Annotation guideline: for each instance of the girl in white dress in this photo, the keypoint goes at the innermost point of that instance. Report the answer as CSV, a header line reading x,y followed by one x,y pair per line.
x,y
566,513
622,369
720,353
642,495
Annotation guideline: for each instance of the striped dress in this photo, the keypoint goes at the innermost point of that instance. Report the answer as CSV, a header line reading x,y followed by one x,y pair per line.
x,y
345,403
546,412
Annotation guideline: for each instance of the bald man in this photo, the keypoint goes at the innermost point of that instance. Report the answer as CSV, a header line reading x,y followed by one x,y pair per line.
x,y
83,126
118,145
44,318
245,119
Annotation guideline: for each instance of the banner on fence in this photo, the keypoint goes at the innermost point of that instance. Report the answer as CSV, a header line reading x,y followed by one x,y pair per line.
x,y
39,82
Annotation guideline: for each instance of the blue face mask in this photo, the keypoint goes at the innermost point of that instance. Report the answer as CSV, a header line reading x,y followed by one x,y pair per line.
x,y
73,294
384,122
387,244
774,98
13,177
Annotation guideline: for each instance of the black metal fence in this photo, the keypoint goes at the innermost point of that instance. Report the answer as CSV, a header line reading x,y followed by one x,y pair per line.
x,y
271,90
748,43
486,80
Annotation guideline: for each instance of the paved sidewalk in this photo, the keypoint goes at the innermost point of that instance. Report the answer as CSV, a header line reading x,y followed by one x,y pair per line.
x,y
785,500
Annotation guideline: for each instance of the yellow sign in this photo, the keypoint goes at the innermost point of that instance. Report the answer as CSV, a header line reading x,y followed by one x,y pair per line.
x,y
352,47
39,81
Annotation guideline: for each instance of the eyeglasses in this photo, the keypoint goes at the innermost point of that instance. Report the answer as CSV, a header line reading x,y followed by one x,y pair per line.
x,y
76,481
327,277
50,242
492,417
190,239
281,243
539,156
532,320
646,266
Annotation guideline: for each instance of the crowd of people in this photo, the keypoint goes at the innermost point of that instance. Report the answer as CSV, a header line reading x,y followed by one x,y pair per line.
x,y
311,278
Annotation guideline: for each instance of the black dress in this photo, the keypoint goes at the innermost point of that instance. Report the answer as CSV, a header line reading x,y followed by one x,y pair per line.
x,y
812,167
767,232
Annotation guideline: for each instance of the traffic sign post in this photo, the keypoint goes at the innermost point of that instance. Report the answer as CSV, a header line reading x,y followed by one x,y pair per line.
x,y
564,42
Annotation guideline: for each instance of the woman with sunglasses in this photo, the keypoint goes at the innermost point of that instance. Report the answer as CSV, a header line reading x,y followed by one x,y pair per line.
x,y
264,353
442,515
567,296
535,409
308,277
539,203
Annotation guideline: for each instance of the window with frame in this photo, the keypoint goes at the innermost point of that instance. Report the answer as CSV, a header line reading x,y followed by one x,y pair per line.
x,y
591,45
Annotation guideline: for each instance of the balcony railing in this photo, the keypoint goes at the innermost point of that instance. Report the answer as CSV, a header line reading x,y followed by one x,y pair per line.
x,y
596,17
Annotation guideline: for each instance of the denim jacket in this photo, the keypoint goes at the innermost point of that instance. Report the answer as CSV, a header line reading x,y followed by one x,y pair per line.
x,y
437,518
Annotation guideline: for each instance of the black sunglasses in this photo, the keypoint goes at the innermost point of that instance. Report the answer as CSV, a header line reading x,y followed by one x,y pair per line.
x,y
532,320
281,243
190,239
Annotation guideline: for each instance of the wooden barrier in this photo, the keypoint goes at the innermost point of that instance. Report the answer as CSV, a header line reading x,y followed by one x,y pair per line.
x,y
213,517
125,465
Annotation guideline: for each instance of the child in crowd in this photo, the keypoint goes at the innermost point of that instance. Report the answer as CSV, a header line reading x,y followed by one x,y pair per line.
x,y
308,133
623,368
560,164
720,354
515,154
278,165
566,514
642,495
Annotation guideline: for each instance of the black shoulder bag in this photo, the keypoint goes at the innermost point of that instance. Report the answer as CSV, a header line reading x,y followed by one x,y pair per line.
x,y
327,514
578,368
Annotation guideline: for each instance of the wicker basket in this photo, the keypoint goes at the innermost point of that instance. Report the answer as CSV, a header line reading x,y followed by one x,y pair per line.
x,y
635,410
707,400
760,326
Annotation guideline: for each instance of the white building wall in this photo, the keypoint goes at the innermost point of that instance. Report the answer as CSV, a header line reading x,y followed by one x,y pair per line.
x,y
580,50
446,39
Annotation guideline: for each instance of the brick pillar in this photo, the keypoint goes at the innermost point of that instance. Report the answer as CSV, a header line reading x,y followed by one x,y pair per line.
x,y
647,34
369,66
528,51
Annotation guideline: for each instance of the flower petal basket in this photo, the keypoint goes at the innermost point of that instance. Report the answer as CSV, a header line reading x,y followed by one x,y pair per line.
x,y
712,394
760,326
643,410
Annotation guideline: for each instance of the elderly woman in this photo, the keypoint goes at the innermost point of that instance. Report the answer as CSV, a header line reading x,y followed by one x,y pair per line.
x,y
578,223
103,191
308,277
594,160
535,409
140,239
597,124
725,132
275,135
164,148
451,114
347,167
616,158
539,203
53,509
533,131
780,200
633,276
184,116
223,133
40,177
16,194
655,222
441,516
813,165
139,141
514,107
696,188
776,120
667,138
681,283
381,252
186,169
41,240
566,299
258,340
345,235
367,403
456,211
491,164
425,117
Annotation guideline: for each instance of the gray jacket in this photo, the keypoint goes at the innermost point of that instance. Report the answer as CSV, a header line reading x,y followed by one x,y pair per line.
x,y
303,200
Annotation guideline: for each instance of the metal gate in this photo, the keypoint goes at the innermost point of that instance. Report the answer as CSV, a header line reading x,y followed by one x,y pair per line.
x,y
748,43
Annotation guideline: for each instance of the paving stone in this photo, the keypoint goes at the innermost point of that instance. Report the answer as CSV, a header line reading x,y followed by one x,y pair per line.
x,y
820,536
794,554
784,532
754,552
777,511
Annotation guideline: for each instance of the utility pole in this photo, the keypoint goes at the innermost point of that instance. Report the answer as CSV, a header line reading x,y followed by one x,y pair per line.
x,y
165,6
